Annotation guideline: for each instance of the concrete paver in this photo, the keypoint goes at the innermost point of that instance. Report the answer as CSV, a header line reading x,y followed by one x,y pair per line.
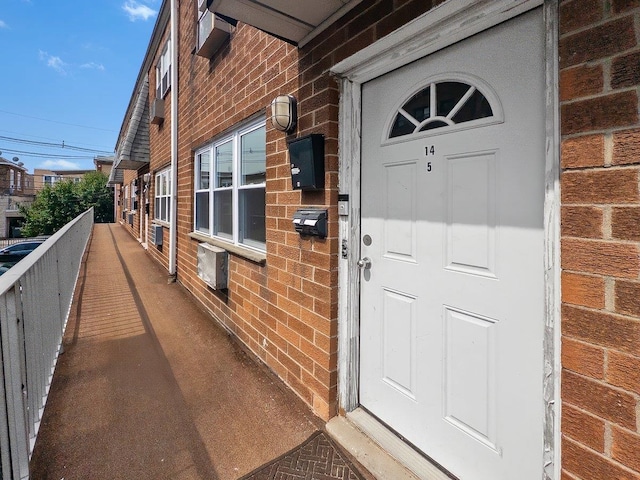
x,y
150,387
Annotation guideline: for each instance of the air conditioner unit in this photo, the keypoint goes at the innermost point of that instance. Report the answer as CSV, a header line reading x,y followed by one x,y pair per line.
x,y
212,33
213,265
156,235
156,111
130,219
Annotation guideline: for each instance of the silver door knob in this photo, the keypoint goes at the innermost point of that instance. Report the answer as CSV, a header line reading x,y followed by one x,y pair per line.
x,y
364,263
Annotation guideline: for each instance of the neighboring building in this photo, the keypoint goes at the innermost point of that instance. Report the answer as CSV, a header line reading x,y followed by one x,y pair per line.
x,y
476,293
44,177
104,164
16,189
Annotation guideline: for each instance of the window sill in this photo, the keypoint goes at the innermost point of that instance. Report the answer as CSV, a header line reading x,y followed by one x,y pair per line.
x,y
249,254
161,222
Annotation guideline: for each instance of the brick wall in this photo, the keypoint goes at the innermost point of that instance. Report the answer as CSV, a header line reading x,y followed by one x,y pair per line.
x,y
159,153
285,310
600,160
134,230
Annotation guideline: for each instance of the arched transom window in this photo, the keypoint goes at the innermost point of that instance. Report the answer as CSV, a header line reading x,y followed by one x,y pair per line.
x,y
438,105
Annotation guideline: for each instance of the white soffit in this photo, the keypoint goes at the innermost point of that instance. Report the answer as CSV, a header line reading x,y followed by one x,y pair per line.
x,y
297,21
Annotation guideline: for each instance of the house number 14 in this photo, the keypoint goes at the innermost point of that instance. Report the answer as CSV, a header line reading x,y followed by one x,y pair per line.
x,y
429,150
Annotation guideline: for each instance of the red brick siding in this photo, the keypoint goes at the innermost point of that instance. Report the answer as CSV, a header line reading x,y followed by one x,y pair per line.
x,y
159,154
284,311
600,251
134,230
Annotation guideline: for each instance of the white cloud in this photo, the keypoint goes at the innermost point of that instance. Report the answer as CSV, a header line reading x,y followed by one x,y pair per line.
x,y
138,11
59,164
3,24
93,65
54,62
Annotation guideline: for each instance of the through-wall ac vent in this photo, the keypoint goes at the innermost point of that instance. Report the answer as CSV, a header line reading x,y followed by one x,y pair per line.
x,y
130,219
213,31
213,265
156,111
156,235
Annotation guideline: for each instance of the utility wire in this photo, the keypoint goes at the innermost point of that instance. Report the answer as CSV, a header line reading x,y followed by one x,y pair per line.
x,y
50,144
45,155
103,148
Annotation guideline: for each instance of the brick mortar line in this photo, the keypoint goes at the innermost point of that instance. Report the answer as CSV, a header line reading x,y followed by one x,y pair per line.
x,y
608,312
603,456
607,17
605,93
603,383
602,240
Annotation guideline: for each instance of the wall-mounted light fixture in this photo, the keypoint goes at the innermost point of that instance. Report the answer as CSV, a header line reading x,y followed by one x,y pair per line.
x,y
284,114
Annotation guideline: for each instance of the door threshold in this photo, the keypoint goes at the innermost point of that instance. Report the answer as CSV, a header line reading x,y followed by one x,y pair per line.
x,y
379,450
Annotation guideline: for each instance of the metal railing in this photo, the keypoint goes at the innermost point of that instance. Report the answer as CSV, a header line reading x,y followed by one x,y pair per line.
x,y
5,242
35,301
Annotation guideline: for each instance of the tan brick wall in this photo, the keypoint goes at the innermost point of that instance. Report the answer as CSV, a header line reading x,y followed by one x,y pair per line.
x,y
600,251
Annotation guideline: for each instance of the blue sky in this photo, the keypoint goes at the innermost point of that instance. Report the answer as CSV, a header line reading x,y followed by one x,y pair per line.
x,y
67,72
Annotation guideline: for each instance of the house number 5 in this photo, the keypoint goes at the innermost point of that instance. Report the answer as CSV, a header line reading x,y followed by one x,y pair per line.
x,y
429,150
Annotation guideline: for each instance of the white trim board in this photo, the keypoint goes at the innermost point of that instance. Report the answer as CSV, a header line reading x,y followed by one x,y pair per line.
x,y
442,26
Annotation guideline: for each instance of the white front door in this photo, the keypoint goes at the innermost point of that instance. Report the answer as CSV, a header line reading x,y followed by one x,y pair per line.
x,y
452,300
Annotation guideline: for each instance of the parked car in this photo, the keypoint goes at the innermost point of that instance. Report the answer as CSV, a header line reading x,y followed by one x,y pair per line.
x,y
17,251
5,267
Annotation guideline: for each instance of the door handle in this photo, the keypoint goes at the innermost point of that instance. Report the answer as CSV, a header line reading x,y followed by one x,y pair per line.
x,y
364,263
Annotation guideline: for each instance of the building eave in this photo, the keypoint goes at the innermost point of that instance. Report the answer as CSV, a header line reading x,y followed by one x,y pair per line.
x,y
297,22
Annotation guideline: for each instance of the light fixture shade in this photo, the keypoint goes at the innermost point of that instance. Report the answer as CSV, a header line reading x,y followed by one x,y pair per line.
x,y
284,113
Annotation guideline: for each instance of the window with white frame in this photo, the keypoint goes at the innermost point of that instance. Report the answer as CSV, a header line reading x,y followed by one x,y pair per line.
x,y
134,196
12,181
230,177
125,198
19,181
163,71
162,194
50,179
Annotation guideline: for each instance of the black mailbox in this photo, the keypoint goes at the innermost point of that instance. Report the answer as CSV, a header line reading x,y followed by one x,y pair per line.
x,y
307,162
311,222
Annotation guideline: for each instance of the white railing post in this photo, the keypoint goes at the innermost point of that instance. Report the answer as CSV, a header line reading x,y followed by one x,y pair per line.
x,y
35,302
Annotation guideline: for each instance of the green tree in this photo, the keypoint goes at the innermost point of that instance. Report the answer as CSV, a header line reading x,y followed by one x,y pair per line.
x,y
57,205
94,192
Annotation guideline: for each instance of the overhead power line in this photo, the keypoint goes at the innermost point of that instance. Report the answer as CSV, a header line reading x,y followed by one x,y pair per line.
x,y
52,145
39,137
46,155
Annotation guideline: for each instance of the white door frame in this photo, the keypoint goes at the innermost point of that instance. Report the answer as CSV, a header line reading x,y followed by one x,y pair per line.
x,y
442,26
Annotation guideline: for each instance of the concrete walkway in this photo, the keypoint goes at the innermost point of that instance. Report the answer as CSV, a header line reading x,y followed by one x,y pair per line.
x,y
149,387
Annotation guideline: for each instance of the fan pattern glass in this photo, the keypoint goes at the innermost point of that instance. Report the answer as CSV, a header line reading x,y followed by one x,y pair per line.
x,y
438,105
